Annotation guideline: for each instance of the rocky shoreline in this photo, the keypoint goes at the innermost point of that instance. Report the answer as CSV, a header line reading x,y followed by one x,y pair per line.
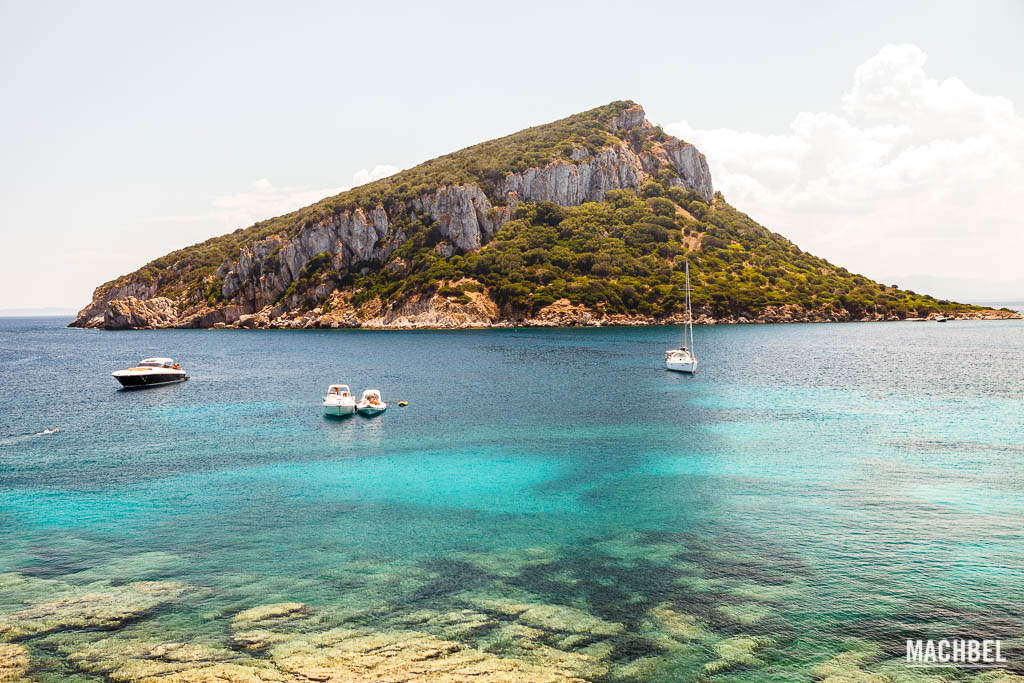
x,y
480,312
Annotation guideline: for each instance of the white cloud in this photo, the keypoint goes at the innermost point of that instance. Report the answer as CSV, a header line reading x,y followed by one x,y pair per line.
x,y
379,171
265,200
910,174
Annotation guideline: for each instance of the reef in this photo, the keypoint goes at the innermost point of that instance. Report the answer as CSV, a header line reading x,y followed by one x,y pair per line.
x,y
622,607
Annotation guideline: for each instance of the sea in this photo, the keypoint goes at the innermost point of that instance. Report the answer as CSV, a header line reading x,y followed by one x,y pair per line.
x,y
552,504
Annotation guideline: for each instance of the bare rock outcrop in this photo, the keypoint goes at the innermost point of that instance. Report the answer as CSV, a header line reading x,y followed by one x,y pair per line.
x,y
93,314
571,184
438,312
465,215
133,313
629,118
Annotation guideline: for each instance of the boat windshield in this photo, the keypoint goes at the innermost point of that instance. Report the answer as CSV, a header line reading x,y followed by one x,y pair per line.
x,y
151,364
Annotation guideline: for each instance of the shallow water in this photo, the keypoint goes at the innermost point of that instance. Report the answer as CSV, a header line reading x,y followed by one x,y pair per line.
x,y
815,490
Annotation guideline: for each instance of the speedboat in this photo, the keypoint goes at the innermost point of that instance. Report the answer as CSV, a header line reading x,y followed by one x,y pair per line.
x,y
150,372
339,401
371,403
680,360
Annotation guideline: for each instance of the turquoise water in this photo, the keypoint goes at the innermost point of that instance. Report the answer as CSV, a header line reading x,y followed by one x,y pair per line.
x,y
816,495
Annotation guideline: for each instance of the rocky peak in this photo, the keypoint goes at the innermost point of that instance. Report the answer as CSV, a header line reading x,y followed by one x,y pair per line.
x,y
466,216
628,118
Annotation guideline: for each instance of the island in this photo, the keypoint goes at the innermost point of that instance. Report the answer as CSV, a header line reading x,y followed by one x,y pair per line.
x,y
589,220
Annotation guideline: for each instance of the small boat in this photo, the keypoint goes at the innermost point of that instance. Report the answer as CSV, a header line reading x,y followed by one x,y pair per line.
x,y
683,360
941,319
150,372
680,360
339,401
371,403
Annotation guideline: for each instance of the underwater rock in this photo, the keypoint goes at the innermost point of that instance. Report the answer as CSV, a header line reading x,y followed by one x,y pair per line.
x,y
259,639
511,636
736,652
568,619
120,659
459,624
680,666
578,663
106,608
18,590
847,666
148,565
987,677
268,616
633,547
498,605
746,614
509,563
559,618
14,662
373,586
527,644
255,628
677,625
358,655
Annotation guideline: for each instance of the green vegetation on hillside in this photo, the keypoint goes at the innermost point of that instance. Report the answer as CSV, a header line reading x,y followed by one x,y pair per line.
x,y
626,255
483,164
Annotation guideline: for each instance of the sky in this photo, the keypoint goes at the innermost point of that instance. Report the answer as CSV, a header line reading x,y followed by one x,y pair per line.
x,y
884,136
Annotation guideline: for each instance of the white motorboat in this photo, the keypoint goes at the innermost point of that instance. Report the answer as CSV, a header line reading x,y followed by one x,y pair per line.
x,y
339,401
684,360
371,403
150,372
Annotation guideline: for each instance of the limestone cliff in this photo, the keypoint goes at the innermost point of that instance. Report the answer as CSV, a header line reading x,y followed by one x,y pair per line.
x,y
466,216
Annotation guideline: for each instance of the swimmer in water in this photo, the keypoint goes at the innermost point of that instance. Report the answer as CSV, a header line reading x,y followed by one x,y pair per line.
x,y
51,431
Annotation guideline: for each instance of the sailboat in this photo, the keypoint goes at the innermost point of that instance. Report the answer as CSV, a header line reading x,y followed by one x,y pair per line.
x,y
683,360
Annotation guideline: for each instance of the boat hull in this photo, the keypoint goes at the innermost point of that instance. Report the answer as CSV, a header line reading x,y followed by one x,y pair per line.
x,y
687,366
369,411
339,410
136,381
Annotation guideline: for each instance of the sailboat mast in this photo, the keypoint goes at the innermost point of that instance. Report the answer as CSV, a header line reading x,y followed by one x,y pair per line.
x,y
689,308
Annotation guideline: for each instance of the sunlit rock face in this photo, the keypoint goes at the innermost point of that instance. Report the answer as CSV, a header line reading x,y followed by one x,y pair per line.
x,y
465,216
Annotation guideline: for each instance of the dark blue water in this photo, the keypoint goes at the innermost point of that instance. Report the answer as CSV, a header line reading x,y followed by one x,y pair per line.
x,y
815,490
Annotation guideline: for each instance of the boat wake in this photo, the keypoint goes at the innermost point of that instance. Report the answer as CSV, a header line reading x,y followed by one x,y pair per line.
x,y
9,440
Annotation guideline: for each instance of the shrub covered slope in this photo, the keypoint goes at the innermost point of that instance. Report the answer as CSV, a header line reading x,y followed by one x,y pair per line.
x,y
626,255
